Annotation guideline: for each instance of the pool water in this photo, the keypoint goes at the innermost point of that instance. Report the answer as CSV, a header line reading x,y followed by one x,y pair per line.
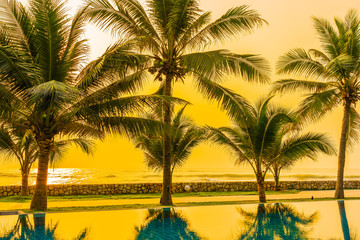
x,y
290,221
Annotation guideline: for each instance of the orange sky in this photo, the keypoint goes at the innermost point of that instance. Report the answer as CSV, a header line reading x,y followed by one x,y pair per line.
x,y
290,26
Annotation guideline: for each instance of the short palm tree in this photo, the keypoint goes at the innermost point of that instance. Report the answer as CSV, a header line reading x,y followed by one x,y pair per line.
x,y
332,78
23,146
254,140
45,89
174,35
292,146
184,135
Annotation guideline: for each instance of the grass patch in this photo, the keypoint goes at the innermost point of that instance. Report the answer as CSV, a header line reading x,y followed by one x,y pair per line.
x,y
22,199
188,204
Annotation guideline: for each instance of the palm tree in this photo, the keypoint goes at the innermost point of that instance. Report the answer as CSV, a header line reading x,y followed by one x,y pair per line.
x,y
277,221
332,78
174,35
166,223
45,89
185,135
292,146
254,139
24,148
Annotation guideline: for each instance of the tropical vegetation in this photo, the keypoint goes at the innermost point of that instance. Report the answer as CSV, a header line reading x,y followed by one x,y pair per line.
x,y
23,147
332,78
45,89
173,36
257,139
51,96
184,136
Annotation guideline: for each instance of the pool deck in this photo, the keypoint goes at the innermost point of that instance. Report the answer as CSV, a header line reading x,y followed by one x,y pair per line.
x,y
303,195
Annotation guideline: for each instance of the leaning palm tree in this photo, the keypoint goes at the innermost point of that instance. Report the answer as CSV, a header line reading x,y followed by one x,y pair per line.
x,y
184,135
254,138
174,35
332,78
25,149
45,89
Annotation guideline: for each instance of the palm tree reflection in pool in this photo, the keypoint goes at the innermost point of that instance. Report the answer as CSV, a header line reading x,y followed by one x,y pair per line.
x,y
166,223
276,221
25,230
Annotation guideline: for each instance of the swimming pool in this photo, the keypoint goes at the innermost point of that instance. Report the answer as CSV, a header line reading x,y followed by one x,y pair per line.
x,y
303,220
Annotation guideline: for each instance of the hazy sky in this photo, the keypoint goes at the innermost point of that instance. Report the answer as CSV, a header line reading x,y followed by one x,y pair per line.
x,y
290,26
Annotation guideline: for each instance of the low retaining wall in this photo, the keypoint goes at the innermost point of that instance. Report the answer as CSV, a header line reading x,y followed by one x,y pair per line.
x,y
133,188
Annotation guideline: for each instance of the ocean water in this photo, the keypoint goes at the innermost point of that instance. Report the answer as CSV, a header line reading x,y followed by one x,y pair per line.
x,y
108,176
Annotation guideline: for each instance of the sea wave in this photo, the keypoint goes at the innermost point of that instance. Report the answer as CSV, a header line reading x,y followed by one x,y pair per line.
x,y
108,176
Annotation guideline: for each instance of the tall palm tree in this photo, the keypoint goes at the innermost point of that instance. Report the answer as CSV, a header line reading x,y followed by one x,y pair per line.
x,y
254,140
25,149
332,78
45,89
184,135
175,34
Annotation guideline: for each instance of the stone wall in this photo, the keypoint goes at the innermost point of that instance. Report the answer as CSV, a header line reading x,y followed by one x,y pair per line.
x,y
133,188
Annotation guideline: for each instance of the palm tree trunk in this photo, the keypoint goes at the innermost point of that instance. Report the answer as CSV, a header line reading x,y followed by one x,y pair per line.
x,y
344,221
339,191
261,189
25,183
167,185
39,200
277,179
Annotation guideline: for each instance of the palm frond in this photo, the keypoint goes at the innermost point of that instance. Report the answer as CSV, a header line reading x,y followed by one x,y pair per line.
x,y
294,85
130,126
52,94
127,18
182,15
316,105
306,145
328,37
113,65
298,62
236,106
19,25
218,136
52,25
192,30
234,21
354,128
216,64
7,145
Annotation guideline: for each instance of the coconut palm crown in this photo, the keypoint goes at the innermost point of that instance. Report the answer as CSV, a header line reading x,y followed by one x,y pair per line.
x,y
175,34
45,88
331,75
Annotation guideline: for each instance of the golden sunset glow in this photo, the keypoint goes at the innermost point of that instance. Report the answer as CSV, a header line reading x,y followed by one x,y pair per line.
x,y
290,26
